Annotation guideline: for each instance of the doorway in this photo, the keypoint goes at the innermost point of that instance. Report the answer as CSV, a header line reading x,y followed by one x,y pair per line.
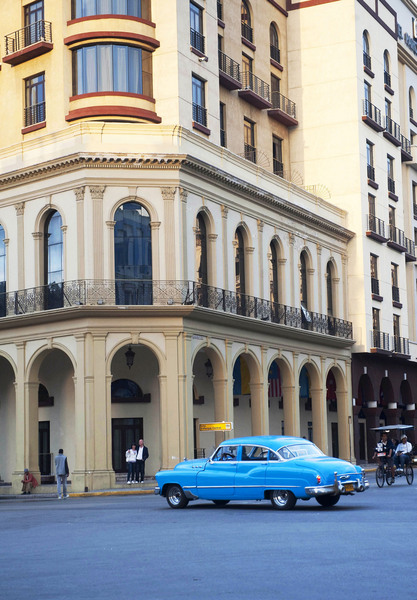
x,y
45,466
125,432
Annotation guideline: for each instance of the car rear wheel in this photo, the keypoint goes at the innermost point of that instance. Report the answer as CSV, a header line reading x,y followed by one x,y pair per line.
x,y
283,500
221,502
327,501
176,497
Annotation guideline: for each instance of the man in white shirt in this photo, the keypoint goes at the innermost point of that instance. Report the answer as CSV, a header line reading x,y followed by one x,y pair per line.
x,y
402,453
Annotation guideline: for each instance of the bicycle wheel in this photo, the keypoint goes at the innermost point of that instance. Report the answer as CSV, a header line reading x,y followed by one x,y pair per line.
x,y
409,474
379,475
388,476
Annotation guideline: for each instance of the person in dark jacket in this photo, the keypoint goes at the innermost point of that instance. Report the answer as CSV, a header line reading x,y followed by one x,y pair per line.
x,y
143,454
62,472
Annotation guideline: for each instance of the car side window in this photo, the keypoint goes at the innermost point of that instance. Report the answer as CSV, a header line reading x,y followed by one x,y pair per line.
x,y
273,456
284,453
254,453
225,453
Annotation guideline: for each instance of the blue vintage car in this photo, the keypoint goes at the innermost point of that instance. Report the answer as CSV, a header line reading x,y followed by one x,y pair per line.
x,y
281,469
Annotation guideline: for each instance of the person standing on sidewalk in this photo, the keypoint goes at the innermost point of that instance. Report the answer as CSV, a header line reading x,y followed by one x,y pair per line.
x,y
143,454
62,472
131,455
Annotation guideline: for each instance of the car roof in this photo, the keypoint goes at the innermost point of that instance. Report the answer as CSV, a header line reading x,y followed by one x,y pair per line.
x,y
274,442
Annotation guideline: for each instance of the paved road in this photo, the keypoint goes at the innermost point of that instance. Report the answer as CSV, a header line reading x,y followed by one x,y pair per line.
x,y
136,547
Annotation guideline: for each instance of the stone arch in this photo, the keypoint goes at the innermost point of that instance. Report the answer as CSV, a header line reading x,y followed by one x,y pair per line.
x,y
281,418
406,394
411,102
139,200
209,241
386,393
338,412
129,341
37,357
306,279
387,62
10,456
365,393
311,403
249,406
45,212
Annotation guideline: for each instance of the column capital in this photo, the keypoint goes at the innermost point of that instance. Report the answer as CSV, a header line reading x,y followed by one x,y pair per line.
x,y
155,224
168,193
260,225
20,208
97,191
79,193
225,211
183,195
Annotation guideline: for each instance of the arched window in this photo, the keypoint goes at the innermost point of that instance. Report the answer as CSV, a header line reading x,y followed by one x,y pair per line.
x,y
387,70
2,273
329,283
201,250
273,273
247,31
303,281
274,43
54,249
125,390
366,53
133,254
239,263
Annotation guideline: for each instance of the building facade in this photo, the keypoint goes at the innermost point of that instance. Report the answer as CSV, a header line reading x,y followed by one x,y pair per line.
x,y
359,93
163,263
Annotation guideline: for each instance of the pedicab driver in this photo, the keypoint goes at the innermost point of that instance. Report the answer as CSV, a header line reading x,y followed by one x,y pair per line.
x,y
402,453
384,451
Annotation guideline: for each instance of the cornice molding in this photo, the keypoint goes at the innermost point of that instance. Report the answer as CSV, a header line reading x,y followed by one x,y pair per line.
x,y
180,162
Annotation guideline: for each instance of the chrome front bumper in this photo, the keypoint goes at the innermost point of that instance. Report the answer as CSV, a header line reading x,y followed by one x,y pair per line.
x,y
338,487
157,491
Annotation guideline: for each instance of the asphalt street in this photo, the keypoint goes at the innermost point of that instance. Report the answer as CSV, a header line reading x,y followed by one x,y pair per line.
x,y
121,547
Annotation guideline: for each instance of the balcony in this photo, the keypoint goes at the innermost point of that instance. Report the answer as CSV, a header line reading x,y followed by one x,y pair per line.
x,y
391,185
405,149
395,294
283,110
400,346
229,72
371,115
387,83
223,138
200,118
275,53
29,42
102,294
376,229
410,253
392,131
367,64
396,239
370,171
250,153
278,167
197,41
380,342
34,114
255,91
375,289
247,32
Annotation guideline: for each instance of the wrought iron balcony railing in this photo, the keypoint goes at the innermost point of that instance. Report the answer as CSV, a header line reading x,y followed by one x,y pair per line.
x,y
250,153
415,210
380,340
41,31
375,286
256,85
278,167
400,345
247,32
397,236
371,172
134,292
280,101
395,293
411,247
387,78
405,144
229,66
393,129
371,111
367,61
376,225
34,114
223,138
391,185
197,40
275,53
200,114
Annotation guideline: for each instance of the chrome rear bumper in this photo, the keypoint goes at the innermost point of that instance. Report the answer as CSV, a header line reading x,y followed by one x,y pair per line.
x,y
359,485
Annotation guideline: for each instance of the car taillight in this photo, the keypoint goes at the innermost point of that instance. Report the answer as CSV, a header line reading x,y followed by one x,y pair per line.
x,y
318,477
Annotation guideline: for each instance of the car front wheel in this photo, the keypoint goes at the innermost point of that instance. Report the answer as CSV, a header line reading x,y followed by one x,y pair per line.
x,y
283,500
176,497
327,501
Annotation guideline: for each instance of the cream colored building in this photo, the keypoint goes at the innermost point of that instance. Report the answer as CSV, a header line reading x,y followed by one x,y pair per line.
x,y
353,74
162,263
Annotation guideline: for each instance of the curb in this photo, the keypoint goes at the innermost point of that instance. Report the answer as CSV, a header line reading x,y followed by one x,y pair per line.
x,y
110,493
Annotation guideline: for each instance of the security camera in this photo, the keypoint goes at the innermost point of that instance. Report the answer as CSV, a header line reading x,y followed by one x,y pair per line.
x,y
203,58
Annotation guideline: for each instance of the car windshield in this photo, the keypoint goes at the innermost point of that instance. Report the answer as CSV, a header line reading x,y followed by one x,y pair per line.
x,y
297,450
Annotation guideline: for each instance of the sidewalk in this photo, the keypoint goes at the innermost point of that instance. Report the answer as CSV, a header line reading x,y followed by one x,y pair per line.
x,y
137,489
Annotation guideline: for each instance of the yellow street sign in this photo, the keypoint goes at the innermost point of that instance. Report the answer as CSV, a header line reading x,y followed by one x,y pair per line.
x,y
216,426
